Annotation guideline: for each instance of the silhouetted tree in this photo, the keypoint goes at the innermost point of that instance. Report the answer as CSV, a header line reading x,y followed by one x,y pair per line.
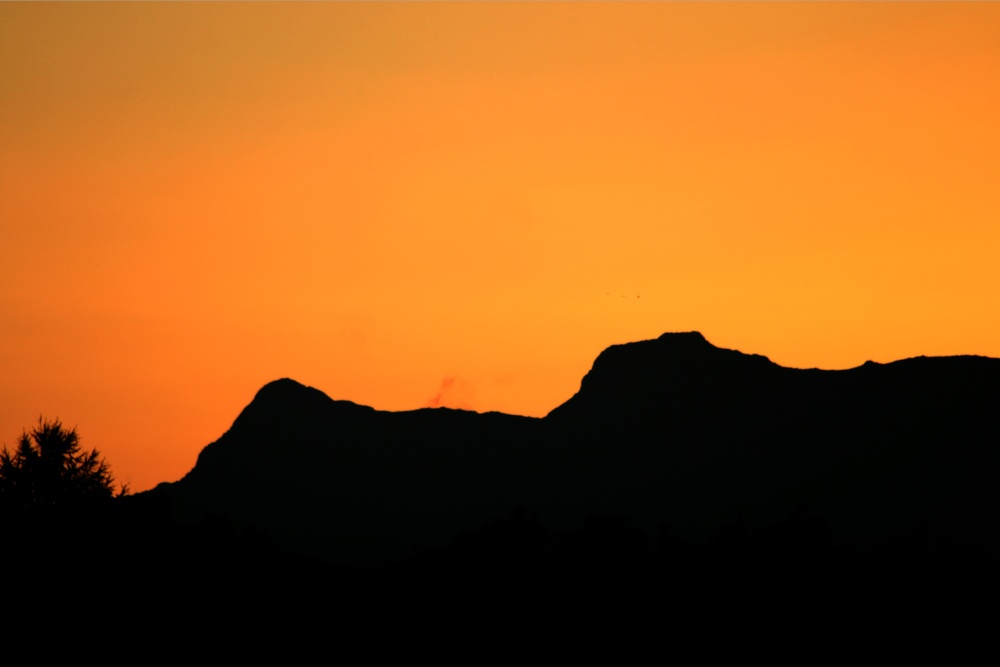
x,y
48,469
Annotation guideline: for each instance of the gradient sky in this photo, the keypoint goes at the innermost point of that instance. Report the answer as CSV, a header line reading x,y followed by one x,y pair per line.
x,y
463,204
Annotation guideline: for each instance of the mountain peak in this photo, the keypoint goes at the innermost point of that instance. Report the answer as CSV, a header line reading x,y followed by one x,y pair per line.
x,y
654,372
279,404
670,350
280,396
684,338
282,387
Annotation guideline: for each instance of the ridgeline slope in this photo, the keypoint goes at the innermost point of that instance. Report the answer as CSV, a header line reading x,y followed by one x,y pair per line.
x,y
667,432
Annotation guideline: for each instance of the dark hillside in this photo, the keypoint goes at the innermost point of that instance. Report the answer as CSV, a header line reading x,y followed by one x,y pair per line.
x,y
670,430
688,505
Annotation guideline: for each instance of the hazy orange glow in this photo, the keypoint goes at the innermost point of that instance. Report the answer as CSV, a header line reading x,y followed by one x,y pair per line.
x,y
462,204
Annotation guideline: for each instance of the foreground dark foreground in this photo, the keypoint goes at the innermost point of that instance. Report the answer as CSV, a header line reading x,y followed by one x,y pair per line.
x,y
508,593
689,505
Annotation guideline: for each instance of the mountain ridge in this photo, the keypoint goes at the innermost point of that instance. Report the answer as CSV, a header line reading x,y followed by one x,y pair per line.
x,y
672,430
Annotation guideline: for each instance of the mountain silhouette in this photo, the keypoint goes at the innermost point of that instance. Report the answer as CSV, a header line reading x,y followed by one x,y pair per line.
x,y
688,505
672,431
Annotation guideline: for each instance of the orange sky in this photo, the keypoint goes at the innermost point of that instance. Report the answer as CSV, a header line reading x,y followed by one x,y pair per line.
x,y
406,204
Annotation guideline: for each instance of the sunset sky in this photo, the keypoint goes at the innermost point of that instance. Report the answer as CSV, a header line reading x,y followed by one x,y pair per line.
x,y
462,204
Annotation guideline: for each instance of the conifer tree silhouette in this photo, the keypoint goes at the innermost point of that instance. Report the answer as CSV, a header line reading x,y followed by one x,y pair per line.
x,y
49,469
